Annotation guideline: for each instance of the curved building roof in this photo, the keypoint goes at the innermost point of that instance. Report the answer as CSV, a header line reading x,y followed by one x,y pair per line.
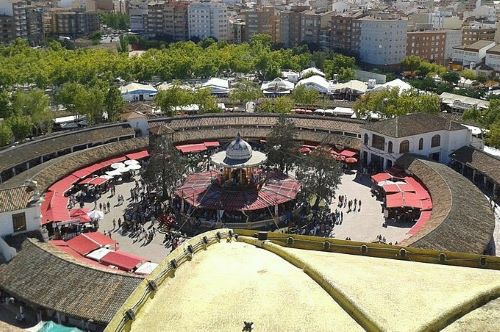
x,y
281,288
455,223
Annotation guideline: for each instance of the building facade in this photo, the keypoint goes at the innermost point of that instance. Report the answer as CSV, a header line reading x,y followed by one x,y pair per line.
x,y
208,19
310,27
74,23
290,26
168,19
345,33
472,34
261,20
428,45
429,135
138,12
471,55
453,38
382,41
493,58
7,29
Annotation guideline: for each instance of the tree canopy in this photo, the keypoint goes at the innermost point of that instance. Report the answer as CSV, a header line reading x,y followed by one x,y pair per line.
x,y
281,144
305,96
390,103
244,92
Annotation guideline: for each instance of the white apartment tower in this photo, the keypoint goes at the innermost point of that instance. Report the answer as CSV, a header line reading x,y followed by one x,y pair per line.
x,y
208,19
382,41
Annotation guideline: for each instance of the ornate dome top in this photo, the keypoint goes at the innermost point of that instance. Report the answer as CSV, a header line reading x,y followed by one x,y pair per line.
x,y
239,149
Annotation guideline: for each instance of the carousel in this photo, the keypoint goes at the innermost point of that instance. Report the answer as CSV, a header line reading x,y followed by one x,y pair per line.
x,y
238,188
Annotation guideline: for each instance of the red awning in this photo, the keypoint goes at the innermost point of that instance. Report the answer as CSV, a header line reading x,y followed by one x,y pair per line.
x,y
138,155
424,217
78,212
86,171
85,181
99,238
108,162
82,245
121,261
54,208
64,185
391,188
381,177
348,153
304,149
191,148
98,181
213,144
394,200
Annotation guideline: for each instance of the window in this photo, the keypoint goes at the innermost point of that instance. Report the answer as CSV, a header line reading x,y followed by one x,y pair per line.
x,y
421,144
366,139
19,222
436,141
389,147
378,142
404,146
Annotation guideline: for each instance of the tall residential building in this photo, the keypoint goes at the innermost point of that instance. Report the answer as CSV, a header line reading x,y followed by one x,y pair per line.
x,y
237,31
382,41
7,28
346,32
429,45
291,26
310,26
453,38
138,11
74,22
325,30
472,34
261,20
168,19
208,19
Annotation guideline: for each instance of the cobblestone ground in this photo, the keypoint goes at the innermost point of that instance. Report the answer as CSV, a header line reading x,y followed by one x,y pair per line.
x,y
364,224
154,251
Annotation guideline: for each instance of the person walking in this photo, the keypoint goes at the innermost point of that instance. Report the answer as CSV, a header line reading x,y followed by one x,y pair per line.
x,y
108,206
114,223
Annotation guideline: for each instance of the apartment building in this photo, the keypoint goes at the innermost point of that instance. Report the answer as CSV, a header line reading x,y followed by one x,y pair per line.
x,y
168,19
7,30
429,45
472,55
493,58
345,32
73,23
208,19
261,20
237,31
138,12
291,26
472,34
310,27
382,41
453,38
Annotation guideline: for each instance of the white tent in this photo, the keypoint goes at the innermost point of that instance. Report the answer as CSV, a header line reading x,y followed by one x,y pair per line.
x,y
217,85
166,86
313,71
137,92
353,86
397,83
317,83
98,254
146,268
277,86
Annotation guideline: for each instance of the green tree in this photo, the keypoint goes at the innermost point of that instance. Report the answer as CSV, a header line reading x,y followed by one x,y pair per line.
x,y
206,101
21,126
451,77
411,63
281,144
493,136
244,92
114,103
5,105
340,65
173,97
6,134
35,105
319,175
304,96
468,74
116,21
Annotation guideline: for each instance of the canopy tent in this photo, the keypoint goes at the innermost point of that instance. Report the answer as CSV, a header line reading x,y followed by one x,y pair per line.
x,y
54,208
379,177
398,187
146,268
131,162
117,165
96,214
138,155
86,171
98,254
348,153
134,167
191,148
121,260
111,161
64,184
424,217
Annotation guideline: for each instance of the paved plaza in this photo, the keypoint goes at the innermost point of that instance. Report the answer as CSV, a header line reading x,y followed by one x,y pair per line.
x,y
365,224
154,251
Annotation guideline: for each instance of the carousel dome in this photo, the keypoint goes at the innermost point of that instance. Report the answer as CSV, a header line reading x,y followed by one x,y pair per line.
x,y
239,149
